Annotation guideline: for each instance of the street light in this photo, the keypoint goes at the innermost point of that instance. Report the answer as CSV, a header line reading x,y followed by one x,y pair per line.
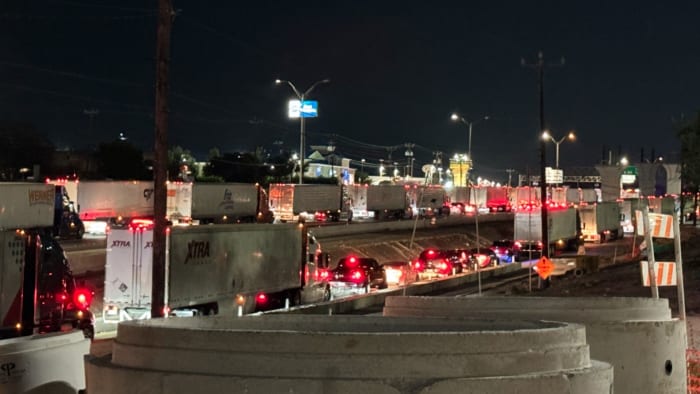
x,y
548,137
457,118
302,136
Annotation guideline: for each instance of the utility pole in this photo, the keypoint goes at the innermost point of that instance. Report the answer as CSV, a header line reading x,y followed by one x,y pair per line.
x,y
539,65
510,172
91,114
165,23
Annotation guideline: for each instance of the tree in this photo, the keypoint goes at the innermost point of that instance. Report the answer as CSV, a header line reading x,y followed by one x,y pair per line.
x,y
181,163
121,160
689,135
21,146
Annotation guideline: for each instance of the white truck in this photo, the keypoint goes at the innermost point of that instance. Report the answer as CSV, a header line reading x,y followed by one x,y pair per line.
x,y
42,310
309,202
562,225
378,201
217,203
215,270
37,290
601,221
103,203
428,200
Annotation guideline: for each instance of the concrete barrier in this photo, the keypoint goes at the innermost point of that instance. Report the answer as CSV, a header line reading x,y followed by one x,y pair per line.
x,y
347,354
43,364
636,335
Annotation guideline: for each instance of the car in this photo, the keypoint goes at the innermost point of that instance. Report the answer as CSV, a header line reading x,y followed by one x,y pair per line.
x,y
433,263
357,275
400,273
506,250
459,259
483,257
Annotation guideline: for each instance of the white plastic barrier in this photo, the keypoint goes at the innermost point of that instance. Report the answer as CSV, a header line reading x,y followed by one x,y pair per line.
x,y
347,354
43,364
636,335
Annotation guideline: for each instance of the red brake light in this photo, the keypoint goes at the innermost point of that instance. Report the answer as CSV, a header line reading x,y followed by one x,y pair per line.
x,y
417,265
357,276
82,298
324,274
431,252
261,298
352,261
141,224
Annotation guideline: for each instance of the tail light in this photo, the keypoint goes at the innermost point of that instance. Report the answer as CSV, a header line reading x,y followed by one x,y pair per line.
x,y
443,266
82,298
324,275
261,299
357,276
141,224
61,297
418,266
351,261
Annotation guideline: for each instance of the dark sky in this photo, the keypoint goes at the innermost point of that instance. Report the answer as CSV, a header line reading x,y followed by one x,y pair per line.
x,y
397,71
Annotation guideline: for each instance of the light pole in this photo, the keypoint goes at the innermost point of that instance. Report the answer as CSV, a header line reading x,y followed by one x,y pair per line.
x,y
457,118
546,136
302,136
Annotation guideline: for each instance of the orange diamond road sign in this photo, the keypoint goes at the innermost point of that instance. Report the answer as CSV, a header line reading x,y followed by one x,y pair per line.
x,y
544,267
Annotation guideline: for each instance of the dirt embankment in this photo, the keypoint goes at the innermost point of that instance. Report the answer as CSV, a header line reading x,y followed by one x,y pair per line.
x,y
623,279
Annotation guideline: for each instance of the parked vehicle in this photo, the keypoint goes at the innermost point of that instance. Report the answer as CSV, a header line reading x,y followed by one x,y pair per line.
x,y
497,199
507,250
217,203
109,203
428,201
400,273
601,221
67,223
459,259
290,202
563,229
357,275
38,291
434,263
483,257
380,202
215,269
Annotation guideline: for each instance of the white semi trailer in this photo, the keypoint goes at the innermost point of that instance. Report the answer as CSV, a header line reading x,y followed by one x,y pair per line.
x,y
600,222
215,270
562,226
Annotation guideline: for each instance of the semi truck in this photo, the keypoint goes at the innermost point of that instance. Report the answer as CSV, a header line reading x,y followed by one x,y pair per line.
x,y
497,199
563,227
428,200
224,269
217,203
38,293
600,221
309,202
378,201
109,203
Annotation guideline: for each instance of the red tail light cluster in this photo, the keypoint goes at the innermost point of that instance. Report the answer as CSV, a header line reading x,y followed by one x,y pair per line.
x,y
357,276
261,299
418,266
323,274
82,298
443,266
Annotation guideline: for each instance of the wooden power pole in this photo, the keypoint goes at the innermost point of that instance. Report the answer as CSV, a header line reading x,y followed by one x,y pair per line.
x,y
165,23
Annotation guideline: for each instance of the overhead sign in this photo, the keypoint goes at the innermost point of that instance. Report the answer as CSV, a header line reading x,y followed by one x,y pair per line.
x,y
303,109
553,176
544,267
665,273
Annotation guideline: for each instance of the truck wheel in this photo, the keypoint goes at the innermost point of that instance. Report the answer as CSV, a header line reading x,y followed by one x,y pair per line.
x,y
81,231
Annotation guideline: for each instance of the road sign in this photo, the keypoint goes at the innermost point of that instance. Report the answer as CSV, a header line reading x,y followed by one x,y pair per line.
x,y
665,273
303,109
544,267
661,226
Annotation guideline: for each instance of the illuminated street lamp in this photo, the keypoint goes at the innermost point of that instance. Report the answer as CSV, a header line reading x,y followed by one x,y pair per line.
x,y
302,136
457,118
548,137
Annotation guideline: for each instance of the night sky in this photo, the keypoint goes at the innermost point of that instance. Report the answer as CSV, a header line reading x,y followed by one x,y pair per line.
x,y
397,72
